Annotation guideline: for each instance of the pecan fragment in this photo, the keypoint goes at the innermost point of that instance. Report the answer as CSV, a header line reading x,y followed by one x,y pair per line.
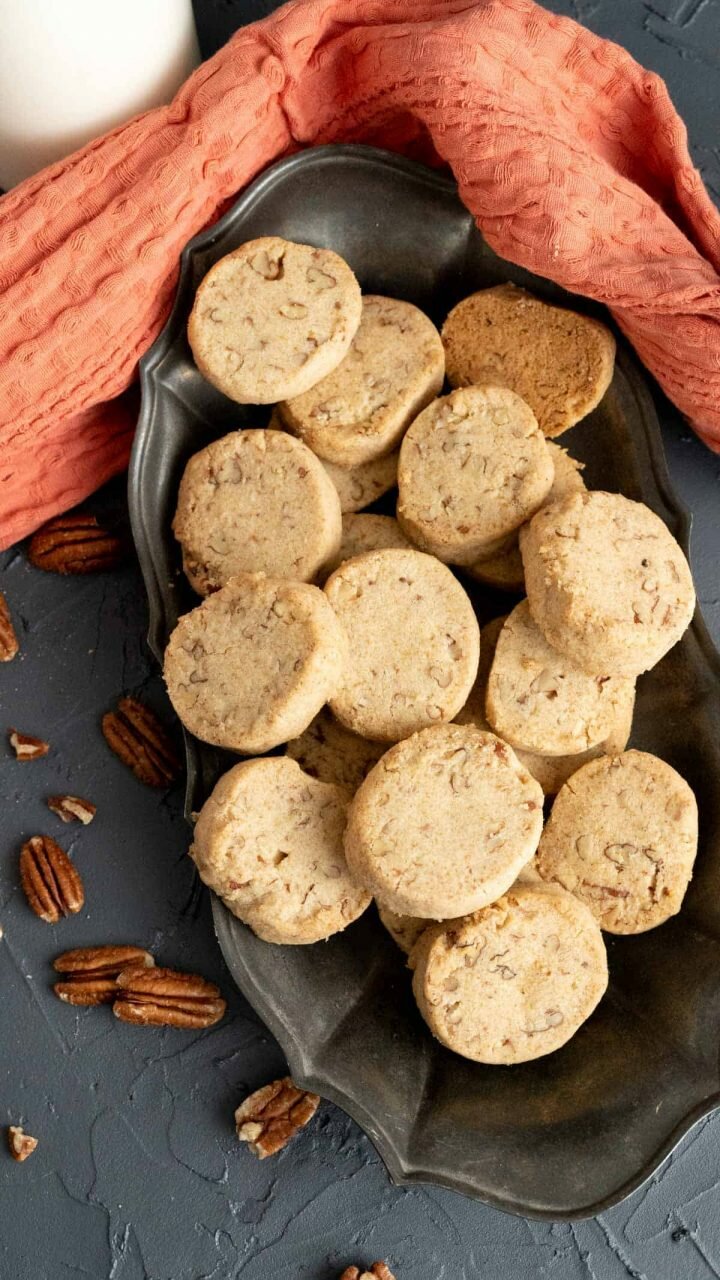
x,y
90,973
8,639
138,738
167,998
72,808
75,543
26,747
378,1271
271,1116
21,1144
51,883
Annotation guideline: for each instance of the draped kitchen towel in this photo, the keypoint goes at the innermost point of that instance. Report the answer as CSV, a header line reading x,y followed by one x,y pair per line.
x,y
570,156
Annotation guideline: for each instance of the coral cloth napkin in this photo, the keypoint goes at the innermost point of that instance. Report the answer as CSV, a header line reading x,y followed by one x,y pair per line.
x,y
569,155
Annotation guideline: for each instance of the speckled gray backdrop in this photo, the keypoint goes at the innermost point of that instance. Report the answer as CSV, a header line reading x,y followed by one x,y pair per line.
x,y
138,1175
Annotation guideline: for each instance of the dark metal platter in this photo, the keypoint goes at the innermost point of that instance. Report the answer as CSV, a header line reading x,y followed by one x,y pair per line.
x,y
575,1132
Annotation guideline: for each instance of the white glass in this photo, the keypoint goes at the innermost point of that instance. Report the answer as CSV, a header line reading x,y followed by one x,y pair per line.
x,y
71,69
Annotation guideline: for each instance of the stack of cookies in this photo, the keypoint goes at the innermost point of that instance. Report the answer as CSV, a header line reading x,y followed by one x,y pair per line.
x,y
419,750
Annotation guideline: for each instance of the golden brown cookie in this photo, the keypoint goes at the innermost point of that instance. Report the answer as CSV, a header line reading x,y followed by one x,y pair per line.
x,y
559,361
272,318
364,532
622,836
256,502
330,752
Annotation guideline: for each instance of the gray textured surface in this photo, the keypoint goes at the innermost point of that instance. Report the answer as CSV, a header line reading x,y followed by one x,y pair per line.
x,y
138,1174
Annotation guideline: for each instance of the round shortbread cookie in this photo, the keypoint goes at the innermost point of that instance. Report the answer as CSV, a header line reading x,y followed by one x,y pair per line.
x,y
607,583
414,643
272,318
269,842
404,930
514,981
256,502
330,752
622,836
395,366
362,533
473,467
254,663
550,771
538,700
444,823
560,362
504,569
357,486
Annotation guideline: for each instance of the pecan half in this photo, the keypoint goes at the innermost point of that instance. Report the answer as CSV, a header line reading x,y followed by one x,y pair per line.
x,y
167,998
90,973
72,808
138,738
26,747
8,639
21,1144
271,1116
51,883
378,1271
76,543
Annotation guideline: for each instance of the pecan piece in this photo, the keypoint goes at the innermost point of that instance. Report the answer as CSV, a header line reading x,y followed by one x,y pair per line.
x,y
76,543
21,1144
90,973
8,639
26,747
51,883
72,808
138,738
167,998
378,1271
271,1116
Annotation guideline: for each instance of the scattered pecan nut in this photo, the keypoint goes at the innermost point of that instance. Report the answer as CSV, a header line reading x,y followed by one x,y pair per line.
x,y
8,639
21,1144
50,881
271,1116
76,543
378,1271
26,747
72,808
90,973
138,738
167,998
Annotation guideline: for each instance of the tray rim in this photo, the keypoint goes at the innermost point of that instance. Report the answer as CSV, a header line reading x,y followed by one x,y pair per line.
x,y
401,1172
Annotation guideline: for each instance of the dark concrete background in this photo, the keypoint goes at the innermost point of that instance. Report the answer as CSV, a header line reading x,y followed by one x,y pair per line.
x,y
138,1175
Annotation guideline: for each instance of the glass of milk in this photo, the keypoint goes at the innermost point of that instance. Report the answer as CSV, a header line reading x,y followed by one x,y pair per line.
x,y
72,69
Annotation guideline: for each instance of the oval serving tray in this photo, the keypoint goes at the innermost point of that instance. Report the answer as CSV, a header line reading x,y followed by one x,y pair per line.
x,y
573,1133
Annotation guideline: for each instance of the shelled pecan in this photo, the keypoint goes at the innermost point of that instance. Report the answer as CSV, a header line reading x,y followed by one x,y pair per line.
x,y
72,808
50,881
138,738
75,544
21,1144
8,639
167,998
26,747
271,1116
90,973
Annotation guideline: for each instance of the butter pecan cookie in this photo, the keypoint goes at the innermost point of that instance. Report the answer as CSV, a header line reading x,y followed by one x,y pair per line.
x,y
254,663
473,467
514,981
414,643
363,532
272,318
444,823
622,836
269,842
256,502
361,410
330,752
607,583
560,362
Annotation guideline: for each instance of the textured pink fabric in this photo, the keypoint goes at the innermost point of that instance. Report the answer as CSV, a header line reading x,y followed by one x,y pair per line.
x,y
569,155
